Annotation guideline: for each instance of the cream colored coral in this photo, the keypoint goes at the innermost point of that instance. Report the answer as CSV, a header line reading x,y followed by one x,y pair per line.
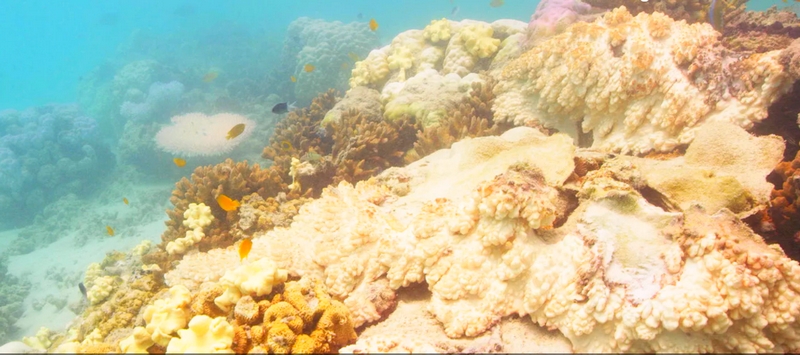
x,y
101,289
372,70
256,278
634,93
478,40
165,316
41,341
142,248
93,271
437,31
204,335
196,217
137,342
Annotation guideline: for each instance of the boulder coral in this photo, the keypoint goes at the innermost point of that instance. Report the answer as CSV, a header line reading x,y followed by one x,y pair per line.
x,y
635,84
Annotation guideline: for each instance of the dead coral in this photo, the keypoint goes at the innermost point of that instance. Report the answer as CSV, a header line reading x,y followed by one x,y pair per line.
x,y
472,118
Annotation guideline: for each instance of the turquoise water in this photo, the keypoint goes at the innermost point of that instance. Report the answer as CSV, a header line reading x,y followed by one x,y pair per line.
x,y
48,46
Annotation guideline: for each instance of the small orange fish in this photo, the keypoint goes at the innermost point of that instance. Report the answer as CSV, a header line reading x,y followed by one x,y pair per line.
x,y
293,79
308,68
226,203
125,200
345,65
497,3
244,248
235,131
353,56
210,76
373,25
110,231
180,162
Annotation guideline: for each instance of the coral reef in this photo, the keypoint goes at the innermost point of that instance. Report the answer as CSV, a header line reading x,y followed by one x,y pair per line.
x,y
328,46
634,94
47,152
494,230
759,32
12,293
234,180
472,117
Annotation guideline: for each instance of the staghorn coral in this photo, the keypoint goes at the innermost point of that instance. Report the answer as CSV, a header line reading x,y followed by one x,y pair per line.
x,y
634,94
364,146
473,117
235,180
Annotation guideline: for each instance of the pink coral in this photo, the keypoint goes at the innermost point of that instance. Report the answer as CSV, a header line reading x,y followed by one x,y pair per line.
x,y
553,16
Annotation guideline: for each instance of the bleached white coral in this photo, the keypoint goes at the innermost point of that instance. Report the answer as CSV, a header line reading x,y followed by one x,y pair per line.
x,y
197,134
625,80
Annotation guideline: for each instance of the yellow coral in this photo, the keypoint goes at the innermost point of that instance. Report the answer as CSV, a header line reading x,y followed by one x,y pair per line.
x,y
137,342
142,247
205,335
93,271
478,40
165,317
256,278
101,289
196,217
371,70
437,31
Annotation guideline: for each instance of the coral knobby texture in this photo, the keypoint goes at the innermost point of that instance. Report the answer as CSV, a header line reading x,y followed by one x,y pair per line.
x,y
637,83
495,227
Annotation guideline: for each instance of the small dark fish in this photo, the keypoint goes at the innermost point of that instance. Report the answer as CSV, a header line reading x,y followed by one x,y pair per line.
x,y
454,11
83,289
282,108
360,16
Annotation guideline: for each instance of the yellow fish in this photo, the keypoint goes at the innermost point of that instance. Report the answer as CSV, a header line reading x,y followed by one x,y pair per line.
x,y
244,248
308,68
345,66
293,79
497,3
235,131
180,162
110,231
353,56
125,200
226,203
373,25
210,76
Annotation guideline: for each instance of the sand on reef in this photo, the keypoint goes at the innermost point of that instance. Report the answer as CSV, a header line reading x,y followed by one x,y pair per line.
x,y
56,269
410,322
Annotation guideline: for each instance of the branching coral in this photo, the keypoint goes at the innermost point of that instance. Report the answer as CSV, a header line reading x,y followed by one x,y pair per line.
x,y
472,118
760,31
637,83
